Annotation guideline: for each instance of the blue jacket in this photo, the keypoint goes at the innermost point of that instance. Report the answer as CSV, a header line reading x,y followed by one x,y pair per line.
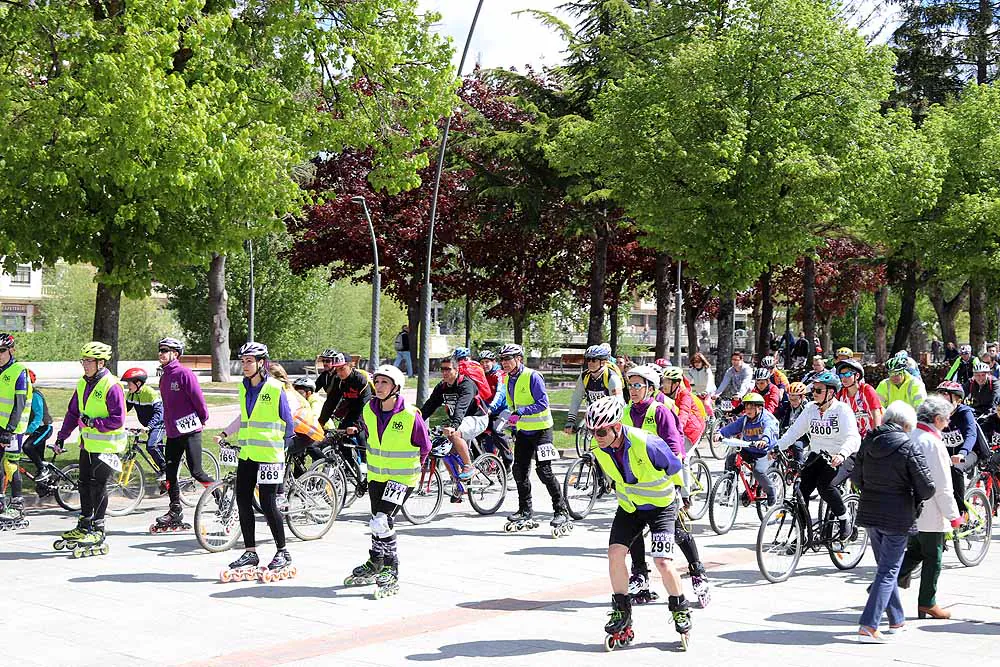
x,y
765,428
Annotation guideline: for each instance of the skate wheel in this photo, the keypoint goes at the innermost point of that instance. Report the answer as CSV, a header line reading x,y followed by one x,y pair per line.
x,y
508,527
292,572
226,576
609,643
152,529
284,574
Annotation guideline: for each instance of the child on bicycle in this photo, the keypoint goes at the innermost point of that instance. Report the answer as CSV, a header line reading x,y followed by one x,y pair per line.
x,y
149,411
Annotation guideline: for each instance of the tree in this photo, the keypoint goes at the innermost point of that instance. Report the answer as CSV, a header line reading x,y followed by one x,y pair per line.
x,y
156,132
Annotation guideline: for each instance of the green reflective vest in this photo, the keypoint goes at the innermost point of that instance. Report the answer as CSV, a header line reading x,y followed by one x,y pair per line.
x,y
8,382
911,391
145,396
649,425
262,433
652,486
96,407
392,456
523,397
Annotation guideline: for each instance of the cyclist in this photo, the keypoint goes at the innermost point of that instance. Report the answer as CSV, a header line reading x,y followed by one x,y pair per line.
x,y
983,390
600,378
642,467
843,354
324,366
778,377
737,379
692,421
491,369
15,414
961,438
184,416
347,393
399,442
860,396
532,422
759,427
467,419
39,430
788,411
912,367
306,388
961,369
832,428
991,433
98,408
149,411
900,385
306,427
702,380
473,370
818,366
763,386
263,429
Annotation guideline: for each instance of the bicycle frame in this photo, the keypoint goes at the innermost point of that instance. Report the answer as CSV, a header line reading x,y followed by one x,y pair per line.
x,y
754,491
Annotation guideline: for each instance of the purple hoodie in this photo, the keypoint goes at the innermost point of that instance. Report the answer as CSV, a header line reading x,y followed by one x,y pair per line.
x,y
115,401
181,396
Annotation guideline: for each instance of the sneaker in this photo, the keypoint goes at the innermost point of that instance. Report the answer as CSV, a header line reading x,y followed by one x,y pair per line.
x,y
467,472
43,476
895,629
869,636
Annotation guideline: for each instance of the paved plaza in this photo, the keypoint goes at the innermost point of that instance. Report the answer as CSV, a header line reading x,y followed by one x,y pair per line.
x,y
471,594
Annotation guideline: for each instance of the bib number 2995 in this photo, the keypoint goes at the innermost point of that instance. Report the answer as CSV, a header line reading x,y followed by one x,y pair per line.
x,y
270,473
662,545
394,492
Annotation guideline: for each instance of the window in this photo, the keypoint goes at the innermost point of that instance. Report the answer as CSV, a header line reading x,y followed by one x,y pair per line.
x,y
637,320
22,276
13,322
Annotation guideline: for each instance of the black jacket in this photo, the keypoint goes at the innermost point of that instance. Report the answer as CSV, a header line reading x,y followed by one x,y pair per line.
x,y
894,480
460,401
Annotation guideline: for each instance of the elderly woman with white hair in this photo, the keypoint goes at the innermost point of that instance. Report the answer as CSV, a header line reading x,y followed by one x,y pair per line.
x,y
940,513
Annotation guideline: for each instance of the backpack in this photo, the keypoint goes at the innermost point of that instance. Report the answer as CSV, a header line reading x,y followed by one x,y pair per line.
x,y
608,368
474,372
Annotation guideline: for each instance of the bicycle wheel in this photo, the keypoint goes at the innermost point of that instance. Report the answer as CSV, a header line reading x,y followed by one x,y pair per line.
x,y
717,449
583,437
68,489
334,472
191,488
581,486
724,503
778,483
488,486
217,518
780,539
312,506
126,489
425,501
701,488
847,554
972,539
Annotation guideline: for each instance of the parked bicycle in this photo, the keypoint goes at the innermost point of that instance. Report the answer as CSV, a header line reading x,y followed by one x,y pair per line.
x,y
62,483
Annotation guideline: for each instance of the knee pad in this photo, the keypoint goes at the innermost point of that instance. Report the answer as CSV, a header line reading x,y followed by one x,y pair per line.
x,y
380,527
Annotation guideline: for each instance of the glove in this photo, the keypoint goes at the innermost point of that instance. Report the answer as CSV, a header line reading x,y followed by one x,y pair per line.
x,y
956,523
58,446
6,437
87,421
513,419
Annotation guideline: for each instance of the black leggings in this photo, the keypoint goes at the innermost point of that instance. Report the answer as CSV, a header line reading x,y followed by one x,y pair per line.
x,y
94,475
246,482
818,475
34,445
189,444
383,549
959,471
525,445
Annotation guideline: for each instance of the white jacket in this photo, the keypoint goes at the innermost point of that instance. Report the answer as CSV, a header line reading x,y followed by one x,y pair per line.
x,y
940,508
834,431
702,380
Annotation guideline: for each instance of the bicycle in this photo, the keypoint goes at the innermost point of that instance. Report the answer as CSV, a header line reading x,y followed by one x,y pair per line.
x,y
309,509
787,530
342,463
62,483
486,489
582,439
725,499
726,412
972,539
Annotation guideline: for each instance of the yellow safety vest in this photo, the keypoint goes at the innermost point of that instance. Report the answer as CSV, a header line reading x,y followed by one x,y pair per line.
x,y
652,486
96,407
8,382
522,396
393,456
262,433
649,425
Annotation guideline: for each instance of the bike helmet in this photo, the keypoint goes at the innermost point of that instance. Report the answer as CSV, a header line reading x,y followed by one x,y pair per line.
x,y
853,365
604,412
980,367
96,350
797,389
829,379
252,349
896,365
662,363
136,375
673,373
329,353
761,373
6,341
171,344
949,387
753,398
440,446
511,350
602,351
391,372
31,376
844,352
338,359
304,383
767,362
487,354
965,349
461,353
646,373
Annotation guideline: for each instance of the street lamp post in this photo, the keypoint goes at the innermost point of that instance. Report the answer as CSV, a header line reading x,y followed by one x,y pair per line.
x,y
376,286
677,319
253,292
424,370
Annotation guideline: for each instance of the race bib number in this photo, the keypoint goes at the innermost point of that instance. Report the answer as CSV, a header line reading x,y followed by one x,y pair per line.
x,y
188,423
662,545
547,452
270,473
112,461
824,427
726,405
228,456
394,492
952,439
594,396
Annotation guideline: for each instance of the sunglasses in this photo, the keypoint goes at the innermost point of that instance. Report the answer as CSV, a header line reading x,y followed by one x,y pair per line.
x,y
846,374
638,385
164,350
507,357
602,432
820,390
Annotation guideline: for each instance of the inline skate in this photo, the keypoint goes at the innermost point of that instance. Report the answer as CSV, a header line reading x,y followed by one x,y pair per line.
x,y
521,521
243,568
69,539
619,628
560,524
682,618
364,575
387,582
12,518
172,521
92,543
279,568
699,583
638,590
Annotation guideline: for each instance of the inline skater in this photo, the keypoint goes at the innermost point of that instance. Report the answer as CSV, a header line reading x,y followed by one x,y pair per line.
x,y
15,414
860,396
347,393
769,391
961,369
758,426
39,430
599,378
961,438
982,391
149,411
263,429
791,407
832,428
532,422
184,417
98,408
467,418
642,467
900,385
399,442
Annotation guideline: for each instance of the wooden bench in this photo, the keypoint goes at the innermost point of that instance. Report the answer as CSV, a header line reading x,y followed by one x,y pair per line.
x,y
572,361
196,362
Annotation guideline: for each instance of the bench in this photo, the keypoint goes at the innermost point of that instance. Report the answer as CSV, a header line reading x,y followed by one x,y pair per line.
x,y
196,362
571,362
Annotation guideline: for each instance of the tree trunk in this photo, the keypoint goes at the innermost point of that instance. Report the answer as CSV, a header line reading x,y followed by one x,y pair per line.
x,y
826,336
518,319
907,307
766,314
107,310
598,270
977,316
809,300
881,300
468,321
690,322
662,286
615,324
947,310
727,311
218,304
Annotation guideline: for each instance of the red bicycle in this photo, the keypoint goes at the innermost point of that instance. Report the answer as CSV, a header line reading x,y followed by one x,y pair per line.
x,y
726,498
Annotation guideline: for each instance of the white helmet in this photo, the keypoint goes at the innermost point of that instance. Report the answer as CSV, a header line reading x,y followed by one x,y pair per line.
x,y
980,367
511,350
603,412
761,373
392,373
646,373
